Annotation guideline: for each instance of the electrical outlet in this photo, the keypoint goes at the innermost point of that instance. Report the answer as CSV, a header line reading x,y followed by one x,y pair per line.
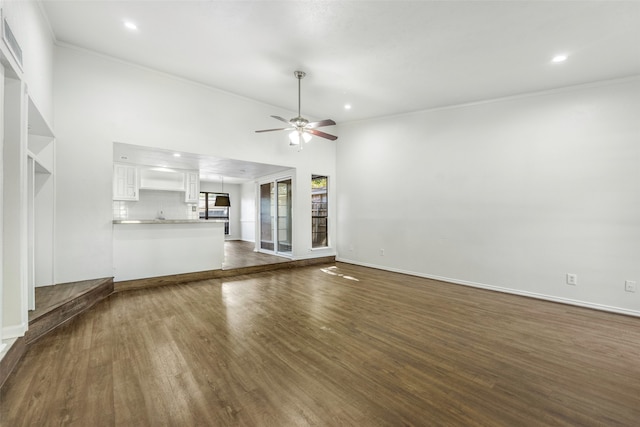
x,y
572,279
381,252
630,286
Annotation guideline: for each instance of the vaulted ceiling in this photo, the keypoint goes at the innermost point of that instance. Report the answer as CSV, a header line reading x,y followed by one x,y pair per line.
x,y
380,57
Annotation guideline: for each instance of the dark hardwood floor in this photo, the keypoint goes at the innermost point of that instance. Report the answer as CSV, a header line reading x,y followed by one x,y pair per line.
x,y
329,345
238,254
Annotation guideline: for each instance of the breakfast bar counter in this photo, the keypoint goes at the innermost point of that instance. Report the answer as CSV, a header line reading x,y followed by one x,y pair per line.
x,y
153,248
167,221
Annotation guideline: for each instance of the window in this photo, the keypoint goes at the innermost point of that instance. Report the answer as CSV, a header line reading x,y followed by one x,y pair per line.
x,y
207,208
319,212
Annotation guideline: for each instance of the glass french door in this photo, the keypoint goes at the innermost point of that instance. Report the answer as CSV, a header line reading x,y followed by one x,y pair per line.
x,y
267,213
284,216
275,217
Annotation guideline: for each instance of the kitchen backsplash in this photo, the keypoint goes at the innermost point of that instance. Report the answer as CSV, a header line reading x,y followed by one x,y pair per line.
x,y
155,203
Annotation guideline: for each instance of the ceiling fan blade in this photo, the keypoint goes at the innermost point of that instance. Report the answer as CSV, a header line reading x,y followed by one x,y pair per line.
x,y
321,134
271,130
281,119
326,122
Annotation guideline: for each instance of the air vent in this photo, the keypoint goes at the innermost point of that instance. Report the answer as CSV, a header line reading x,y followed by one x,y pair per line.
x,y
12,43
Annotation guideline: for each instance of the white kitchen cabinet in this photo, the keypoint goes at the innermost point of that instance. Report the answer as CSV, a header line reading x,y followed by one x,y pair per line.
x,y
125,182
192,187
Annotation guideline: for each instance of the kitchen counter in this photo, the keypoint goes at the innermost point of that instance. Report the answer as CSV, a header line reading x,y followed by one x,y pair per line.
x,y
167,221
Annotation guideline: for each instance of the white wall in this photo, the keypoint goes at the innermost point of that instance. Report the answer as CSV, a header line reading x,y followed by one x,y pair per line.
x,y
248,212
99,100
511,194
33,34
43,229
15,208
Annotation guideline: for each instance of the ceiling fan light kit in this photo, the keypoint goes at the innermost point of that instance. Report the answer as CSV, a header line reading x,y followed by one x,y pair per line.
x,y
301,128
297,137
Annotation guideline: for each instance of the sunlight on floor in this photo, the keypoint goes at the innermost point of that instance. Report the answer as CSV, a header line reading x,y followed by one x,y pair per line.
x,y
330,270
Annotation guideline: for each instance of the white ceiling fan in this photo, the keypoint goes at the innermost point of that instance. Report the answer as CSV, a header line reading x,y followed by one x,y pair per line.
x,y
301,129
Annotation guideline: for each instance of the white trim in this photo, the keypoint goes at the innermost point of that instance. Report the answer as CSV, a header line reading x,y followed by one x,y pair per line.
x,y
2,114
5,346
17,58
16,331
317,255
568,301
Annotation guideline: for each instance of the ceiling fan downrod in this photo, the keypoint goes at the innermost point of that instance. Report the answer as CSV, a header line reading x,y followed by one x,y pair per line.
x,y
299,75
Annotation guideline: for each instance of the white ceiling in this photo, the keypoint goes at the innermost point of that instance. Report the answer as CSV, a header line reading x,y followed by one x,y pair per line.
x,y
211,168
382,57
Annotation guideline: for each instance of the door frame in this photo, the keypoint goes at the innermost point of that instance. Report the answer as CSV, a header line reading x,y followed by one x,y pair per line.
x,y
274,216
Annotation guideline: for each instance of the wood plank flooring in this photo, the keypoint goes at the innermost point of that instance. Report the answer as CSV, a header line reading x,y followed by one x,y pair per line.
x,y
238,254
329,345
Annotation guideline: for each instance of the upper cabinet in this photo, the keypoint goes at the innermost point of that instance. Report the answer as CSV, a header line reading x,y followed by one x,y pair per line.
x,y
128,180
125,182
192,187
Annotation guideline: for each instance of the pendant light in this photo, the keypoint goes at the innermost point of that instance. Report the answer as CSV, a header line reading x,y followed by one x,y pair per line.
x,y
222,200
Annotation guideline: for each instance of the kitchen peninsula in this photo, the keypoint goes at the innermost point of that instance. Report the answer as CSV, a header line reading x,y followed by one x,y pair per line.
x,y
152,248
145,244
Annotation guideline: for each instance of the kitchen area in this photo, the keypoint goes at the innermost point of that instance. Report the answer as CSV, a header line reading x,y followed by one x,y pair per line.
x,y
172,211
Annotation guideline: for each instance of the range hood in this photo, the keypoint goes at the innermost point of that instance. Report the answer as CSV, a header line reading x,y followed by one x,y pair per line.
x,y
162,179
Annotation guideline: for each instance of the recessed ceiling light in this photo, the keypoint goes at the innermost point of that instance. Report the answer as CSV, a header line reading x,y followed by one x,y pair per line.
x,y
347,106
177,154
130,25
559,58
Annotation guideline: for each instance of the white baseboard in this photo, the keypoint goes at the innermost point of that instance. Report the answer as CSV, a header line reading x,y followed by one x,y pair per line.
x,y
5,346
15,331
315,254
551,298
